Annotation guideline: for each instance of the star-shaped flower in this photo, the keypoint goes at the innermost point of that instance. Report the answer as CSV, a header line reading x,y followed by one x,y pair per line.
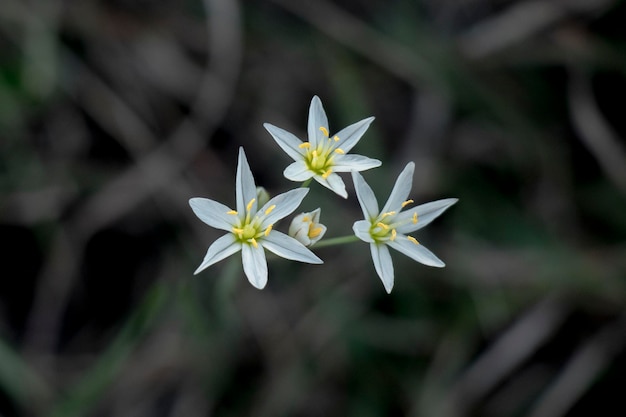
x,y
390,226
250,228
323,155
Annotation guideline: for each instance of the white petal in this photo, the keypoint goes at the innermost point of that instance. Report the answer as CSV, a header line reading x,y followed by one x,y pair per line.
x,y
333,182
366,197
298,171
349,163
361,230
317,119
416,252
289,248
220,249
350,136
401,189
287,141
245,187
284,203
426,213
254,265
383,264
213,213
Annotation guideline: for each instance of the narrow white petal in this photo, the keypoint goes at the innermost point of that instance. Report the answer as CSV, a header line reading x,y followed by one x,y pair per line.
x,y
426,213
245,187
349,163
361,230
401,189
220,249
317,119
383,264
416,252
289,248
284,204
213,213
298,171
254,265
288,142
366,197
350,136
333,182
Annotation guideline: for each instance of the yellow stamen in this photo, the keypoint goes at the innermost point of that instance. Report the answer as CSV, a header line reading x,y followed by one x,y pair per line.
x,y
249,206
232,212
336,138
313,233
412,239
253,241
389,213
306,145
238,232
268,230
327,173
407,202
382,225
339,151
415,218
393,235
324,131
306,219
269,209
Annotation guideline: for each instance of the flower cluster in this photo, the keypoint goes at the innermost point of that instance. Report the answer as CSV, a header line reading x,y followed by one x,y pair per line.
x,y
250,226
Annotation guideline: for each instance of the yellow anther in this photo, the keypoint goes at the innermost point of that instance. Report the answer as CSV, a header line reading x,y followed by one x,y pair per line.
x,y
269,209
382,225
389,213
313,233
324,131
249,206
406,203
232,212
306,219
393,235
339,151
327,173
336,138
412,239
268,230
253,241
415,218
306,145
238,232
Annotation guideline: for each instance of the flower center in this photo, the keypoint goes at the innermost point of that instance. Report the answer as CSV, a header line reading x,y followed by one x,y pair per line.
x,y
248,229
320,159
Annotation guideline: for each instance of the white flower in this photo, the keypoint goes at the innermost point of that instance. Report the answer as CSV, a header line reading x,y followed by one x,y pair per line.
x,y
389,227
323,155
250,227
306,228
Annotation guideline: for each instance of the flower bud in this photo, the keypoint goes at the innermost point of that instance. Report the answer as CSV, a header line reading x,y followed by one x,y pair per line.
x,y
262,196
306,229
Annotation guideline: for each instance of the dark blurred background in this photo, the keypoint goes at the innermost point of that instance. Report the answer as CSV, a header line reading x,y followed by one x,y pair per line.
x,y
114,113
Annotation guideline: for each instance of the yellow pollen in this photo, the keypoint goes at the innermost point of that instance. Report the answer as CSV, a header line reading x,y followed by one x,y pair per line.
x,y
412,239
382,225
306,145
415,218
253,241
269,209
327,173
313,233
339,151
249,206
268,230
336,138
232,212
324,131
306,219
407,202
389,213
393,235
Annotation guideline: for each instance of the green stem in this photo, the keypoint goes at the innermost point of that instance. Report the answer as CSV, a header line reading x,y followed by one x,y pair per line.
x,y
335,241
306,183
